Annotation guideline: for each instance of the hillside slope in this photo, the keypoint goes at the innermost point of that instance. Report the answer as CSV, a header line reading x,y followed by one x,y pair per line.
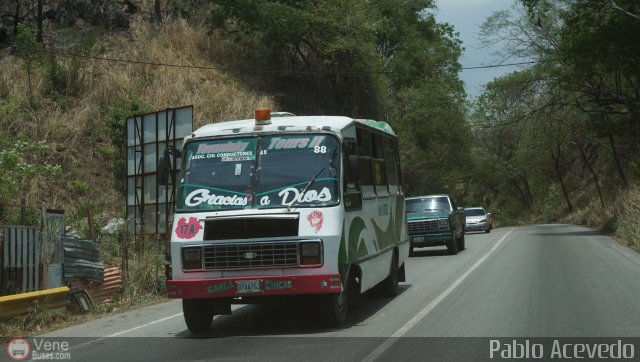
x,y
83,90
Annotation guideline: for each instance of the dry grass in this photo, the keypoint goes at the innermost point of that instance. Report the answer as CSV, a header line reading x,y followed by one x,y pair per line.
x,y
73,126
40,320
628,214
215,95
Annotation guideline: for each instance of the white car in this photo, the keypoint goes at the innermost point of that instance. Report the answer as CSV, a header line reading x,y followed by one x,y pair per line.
x,y
477,219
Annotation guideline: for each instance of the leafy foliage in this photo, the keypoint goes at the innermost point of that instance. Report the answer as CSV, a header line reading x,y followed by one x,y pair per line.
x,y
571,117
19,165
384,60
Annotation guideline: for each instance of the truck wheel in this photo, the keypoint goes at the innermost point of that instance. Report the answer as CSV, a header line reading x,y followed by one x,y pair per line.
x,y
461,243
197,314
452,245
389,286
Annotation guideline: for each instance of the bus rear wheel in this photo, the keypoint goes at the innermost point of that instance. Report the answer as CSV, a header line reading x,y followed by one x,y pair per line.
x,y
198,315
389,286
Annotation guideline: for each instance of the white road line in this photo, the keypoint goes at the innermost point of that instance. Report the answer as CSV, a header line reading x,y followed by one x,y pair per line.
x,y
376,353
145,325
81,345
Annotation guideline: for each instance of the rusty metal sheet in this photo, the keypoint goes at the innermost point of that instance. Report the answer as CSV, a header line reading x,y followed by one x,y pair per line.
x,y
101,292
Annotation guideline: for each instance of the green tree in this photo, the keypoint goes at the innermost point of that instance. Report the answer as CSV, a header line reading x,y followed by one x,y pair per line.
x,y
385,60
28,49
20,165
579,102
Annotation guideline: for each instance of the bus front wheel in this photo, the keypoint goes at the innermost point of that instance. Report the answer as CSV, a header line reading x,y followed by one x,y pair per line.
x,y
335,308
198,315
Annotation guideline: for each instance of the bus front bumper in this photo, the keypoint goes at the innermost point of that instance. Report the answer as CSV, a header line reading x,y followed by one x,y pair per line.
x,y
254,286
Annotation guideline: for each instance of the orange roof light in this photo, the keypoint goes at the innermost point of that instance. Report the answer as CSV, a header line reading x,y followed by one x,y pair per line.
x,y
263,116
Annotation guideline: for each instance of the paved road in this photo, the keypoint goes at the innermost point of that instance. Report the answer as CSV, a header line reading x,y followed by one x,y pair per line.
x,y
536,281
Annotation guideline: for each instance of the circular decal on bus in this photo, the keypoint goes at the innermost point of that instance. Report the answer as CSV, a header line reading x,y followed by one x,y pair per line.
x,y
187,230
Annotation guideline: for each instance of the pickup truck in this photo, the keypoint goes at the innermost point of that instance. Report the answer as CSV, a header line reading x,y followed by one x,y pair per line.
x,y
434,220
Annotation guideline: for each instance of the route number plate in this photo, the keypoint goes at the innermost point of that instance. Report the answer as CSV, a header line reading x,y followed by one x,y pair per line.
x,y
249,286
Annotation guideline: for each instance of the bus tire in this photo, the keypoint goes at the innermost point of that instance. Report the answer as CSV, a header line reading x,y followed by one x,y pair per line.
x,y
335,307
197,314
389,286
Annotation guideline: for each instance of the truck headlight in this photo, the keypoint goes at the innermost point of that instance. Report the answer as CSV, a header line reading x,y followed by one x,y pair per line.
x,y
192,258
310,254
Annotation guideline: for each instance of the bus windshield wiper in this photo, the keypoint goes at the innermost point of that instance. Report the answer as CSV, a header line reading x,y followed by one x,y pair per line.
x,y
304,189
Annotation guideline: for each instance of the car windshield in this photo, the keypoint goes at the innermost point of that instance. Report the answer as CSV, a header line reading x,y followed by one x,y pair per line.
x,y
259,172
474,212
439,203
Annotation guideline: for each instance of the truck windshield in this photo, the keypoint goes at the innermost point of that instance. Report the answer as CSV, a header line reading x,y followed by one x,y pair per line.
x,y
259,172
437,203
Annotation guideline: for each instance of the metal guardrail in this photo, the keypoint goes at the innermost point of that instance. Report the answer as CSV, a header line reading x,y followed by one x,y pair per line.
x,y
19,304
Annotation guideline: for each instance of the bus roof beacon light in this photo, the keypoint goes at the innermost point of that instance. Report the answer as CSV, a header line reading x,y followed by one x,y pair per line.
x,y
263,116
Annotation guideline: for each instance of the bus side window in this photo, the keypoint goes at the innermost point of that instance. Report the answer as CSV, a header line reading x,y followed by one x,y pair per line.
x,y
351,188
351,170
379,166
392,168
398,168
366,168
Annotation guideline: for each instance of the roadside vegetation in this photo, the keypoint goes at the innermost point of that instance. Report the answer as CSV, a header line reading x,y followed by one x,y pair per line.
x,y
555,141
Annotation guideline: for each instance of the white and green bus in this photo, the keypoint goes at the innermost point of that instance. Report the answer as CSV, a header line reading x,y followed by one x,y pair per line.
x,y
287,207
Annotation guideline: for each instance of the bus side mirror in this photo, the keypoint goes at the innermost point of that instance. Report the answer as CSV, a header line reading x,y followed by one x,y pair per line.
x,y
164,168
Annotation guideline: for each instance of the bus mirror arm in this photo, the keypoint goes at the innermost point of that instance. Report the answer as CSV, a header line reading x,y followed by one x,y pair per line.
x,y
164,165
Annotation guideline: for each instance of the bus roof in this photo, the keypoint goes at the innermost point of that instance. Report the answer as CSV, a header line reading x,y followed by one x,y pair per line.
x,y
288,123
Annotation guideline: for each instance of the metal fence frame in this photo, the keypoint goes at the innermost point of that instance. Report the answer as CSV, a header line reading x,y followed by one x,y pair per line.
x,y
21,256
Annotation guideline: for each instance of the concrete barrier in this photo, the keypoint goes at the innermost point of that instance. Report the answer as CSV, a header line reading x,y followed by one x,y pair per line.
x,y
18,304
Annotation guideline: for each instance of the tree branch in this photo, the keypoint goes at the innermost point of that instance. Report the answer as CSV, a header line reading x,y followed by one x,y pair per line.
x,y
615,6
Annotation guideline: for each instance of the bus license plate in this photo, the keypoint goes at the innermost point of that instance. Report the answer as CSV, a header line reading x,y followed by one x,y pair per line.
x,y
249,286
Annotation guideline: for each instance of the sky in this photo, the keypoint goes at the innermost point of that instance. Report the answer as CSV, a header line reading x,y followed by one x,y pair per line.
x,y
466,16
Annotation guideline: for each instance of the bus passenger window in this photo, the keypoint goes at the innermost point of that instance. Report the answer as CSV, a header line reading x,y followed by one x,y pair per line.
x,y
366,167
379,167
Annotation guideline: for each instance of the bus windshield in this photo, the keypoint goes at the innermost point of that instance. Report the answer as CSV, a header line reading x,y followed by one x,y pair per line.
x,y
259,172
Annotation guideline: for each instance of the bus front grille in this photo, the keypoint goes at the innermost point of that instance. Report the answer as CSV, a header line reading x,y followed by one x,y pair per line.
x,y
254,255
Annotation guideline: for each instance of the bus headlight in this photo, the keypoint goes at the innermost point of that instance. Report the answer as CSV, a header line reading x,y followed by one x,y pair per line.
x,y
310,254
192,258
